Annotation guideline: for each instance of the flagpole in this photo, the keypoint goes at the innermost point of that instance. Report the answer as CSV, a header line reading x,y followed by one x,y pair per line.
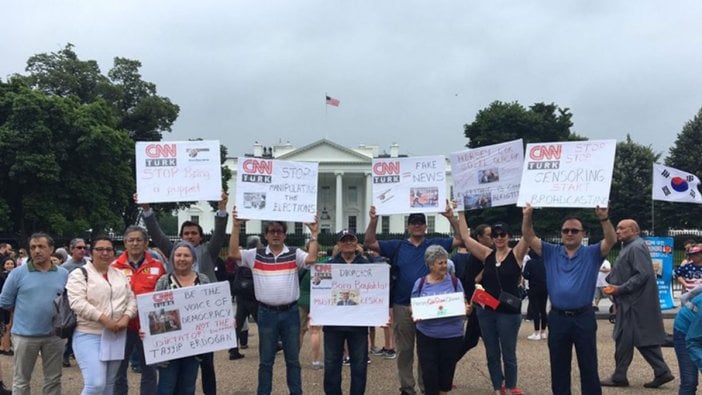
x,y
326,121
653,220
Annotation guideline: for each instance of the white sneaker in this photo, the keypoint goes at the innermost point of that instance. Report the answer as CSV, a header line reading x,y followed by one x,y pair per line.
x,y
534,336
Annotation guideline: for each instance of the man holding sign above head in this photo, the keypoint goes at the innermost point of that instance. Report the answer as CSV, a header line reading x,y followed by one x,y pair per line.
x,y
356,337
571,275
407,265
277,290
206,258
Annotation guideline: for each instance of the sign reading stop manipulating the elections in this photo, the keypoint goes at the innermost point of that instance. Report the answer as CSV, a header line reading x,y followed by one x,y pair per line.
x,y
178,171
567,174
409,185
269,189
487,176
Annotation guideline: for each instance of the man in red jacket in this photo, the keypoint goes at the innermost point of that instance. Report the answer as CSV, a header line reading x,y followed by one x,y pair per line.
x,y
143,271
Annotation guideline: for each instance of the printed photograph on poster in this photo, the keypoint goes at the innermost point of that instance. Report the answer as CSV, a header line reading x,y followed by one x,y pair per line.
x,y
487,176
350,295
271,189
177,171
163,321
568,174
409,185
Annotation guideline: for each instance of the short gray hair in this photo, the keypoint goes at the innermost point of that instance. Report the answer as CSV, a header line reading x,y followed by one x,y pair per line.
x,y
136,228
75,242
433,253
253,242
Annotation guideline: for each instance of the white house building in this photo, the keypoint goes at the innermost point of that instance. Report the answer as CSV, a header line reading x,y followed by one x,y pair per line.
x,y
344,186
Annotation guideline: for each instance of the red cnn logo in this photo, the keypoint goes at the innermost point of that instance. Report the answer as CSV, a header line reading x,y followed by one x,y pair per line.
x,y
254,166
161,150
164,297
548,152
385,168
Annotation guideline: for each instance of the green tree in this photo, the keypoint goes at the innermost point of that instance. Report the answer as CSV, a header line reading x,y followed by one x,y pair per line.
x,y
683,156
630,194
501,122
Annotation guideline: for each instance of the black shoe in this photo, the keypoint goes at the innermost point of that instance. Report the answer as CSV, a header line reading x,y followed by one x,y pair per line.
x,y
279,347
243,346
235,355
611,383
66,362
4,390
660,380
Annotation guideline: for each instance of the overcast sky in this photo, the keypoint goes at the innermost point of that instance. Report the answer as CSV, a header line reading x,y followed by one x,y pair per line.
x,y
407,72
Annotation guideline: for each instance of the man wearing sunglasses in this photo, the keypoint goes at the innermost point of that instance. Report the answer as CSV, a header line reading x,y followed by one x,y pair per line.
x,y
639,322
571,275
77,247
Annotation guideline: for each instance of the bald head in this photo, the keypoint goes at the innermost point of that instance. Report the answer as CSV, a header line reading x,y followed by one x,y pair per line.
x,y
627,229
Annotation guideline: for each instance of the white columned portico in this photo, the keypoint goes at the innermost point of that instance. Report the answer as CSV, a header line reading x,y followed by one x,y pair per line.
x,y
339,212
368,200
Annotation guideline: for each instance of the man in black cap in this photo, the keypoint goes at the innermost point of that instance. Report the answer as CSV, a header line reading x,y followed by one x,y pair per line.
x,y
355,336
407,265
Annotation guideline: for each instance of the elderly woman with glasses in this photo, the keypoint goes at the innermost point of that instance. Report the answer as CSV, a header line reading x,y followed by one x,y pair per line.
x,y
499,327
439,340
102,299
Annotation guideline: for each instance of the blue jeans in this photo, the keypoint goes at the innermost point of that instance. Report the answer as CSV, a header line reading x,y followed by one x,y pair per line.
x,y
499,332
178,373
274,324
334,340
98,376
564,333
148,372
689,378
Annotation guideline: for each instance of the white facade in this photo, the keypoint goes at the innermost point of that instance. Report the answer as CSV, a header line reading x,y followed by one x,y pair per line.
x,y
344,186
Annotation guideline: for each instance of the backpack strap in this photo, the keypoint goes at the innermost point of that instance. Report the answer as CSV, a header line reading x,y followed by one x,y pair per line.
x,y
421,284
454,281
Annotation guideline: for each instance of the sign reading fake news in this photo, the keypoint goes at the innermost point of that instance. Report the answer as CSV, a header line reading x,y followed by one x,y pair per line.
x,y
186,321
178,171
567,174
438,306
409,185
487,176
349,295
280,190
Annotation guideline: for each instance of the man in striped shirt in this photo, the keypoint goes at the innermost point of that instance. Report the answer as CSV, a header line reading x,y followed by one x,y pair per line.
x,y
277,289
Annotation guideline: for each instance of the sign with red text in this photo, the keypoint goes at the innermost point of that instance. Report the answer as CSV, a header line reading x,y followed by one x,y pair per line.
x,y
409,185
438,306
186,321
487,176
567,174
281,190
349,295
178,171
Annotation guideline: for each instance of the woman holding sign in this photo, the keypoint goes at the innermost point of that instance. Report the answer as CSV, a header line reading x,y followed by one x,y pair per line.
x,y
102,300
181,373
499,327
438,340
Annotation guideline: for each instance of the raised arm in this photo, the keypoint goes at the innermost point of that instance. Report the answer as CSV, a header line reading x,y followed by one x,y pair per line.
x,y
220,229
157,236
457,238
234,250
478,250
313,250
610,236
528,229
369,239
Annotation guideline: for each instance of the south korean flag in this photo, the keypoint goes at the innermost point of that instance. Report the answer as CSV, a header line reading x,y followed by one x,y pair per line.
x,y
673,185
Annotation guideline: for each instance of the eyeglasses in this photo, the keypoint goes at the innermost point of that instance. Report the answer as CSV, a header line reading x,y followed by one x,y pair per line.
x,y
572,231
135,240
79,247
496,235
275,232
103,249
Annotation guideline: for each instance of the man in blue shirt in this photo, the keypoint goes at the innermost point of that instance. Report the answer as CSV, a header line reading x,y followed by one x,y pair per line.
x,y
30,290
571,275
407,258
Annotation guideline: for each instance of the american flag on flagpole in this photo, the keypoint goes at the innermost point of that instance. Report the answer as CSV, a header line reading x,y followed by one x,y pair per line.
x,y
332,101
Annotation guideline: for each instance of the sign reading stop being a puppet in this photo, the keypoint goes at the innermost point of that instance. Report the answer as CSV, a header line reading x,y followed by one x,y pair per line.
x,y
178,171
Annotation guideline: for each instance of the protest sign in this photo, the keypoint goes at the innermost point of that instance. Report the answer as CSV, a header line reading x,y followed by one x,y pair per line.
x,y
409,185
186,321
438,306
279,190
661,250
487,176
349,295
178,171
567,174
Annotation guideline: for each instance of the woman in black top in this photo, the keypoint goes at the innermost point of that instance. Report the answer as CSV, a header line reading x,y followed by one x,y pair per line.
x,y
535,272
502,273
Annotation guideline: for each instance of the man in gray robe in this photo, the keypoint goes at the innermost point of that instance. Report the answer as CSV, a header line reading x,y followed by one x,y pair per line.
x,y
639,322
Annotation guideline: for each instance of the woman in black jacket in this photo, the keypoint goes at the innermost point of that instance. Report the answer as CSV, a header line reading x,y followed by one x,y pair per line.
x,y
535,272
